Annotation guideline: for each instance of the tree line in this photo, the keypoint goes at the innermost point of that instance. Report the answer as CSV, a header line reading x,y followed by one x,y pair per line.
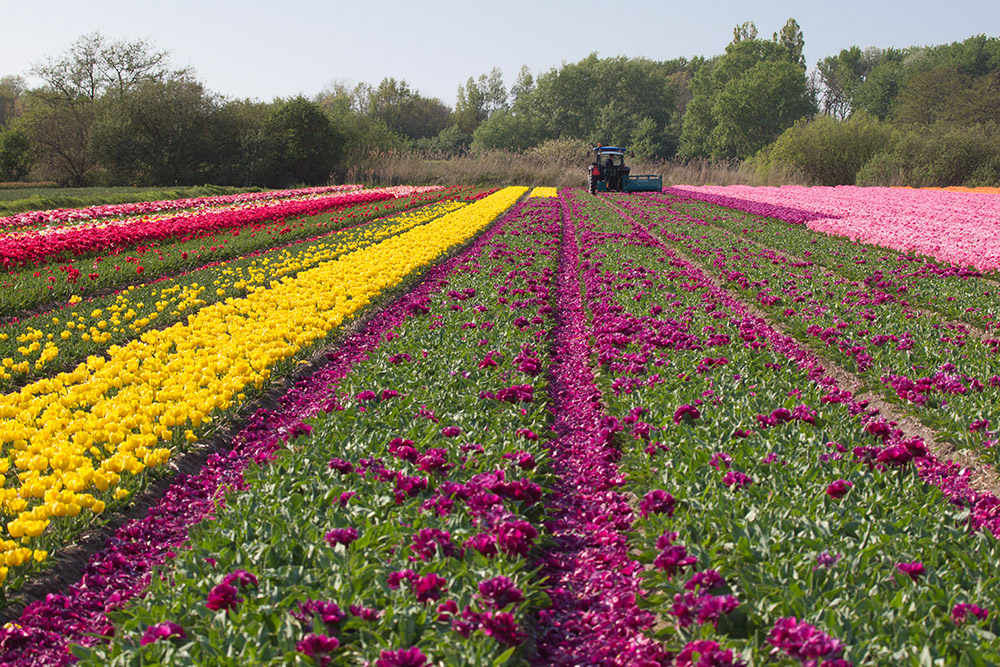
x,y
116,112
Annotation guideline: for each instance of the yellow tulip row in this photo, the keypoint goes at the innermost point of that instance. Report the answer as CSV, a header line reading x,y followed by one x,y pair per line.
x,y
544,192
63,438
126,314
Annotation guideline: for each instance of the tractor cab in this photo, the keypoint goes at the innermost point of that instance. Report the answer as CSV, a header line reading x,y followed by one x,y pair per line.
x,y
609,173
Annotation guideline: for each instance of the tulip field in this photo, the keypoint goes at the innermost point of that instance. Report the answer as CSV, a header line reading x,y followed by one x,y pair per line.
x,y
418,426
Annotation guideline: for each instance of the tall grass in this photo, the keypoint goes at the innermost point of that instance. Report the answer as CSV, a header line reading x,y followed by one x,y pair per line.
x,y
501,168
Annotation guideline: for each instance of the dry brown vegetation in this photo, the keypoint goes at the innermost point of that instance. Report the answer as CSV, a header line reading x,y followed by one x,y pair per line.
x,y
500,168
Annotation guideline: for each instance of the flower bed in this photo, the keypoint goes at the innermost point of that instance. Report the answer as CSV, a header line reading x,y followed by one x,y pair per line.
x,y
85,438
408,512
566,445
955,292
88,327
956,227
71,215
778,515
30,287
593,580
939,370
36,248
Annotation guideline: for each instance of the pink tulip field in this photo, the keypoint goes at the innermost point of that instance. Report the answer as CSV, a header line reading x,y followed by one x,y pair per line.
x,y
955,227
418,426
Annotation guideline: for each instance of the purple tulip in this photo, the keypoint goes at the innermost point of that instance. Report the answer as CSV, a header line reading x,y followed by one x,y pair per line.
x,y
163,630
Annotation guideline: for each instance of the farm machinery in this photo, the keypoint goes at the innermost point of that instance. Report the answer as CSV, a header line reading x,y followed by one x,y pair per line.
x,y
609,173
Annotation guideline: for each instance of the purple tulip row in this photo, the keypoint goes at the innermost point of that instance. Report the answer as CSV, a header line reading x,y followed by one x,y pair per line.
x,y
954,480
594,618
865,322
658,322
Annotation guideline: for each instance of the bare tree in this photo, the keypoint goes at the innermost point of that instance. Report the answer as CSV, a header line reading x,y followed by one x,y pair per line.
x,y
61,113
94,66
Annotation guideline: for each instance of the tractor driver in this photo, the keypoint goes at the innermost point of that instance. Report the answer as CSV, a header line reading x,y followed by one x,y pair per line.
x,y
610,174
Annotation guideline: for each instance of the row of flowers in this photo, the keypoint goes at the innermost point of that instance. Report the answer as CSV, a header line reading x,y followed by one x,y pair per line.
x,y
160,218
71,215
946,375
69,335
36,288
402,520
779,517
34,249
956,227
593,580
958,293
954,426
82,437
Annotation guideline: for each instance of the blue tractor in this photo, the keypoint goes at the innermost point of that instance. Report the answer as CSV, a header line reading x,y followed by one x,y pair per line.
x,y
609,173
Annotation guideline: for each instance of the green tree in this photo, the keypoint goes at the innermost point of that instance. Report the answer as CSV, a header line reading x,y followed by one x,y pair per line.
x,y
791,40
829,151
242,153
841,76
478,99
942,154
976,56
946,93
450,141
697,123
404,111
508,130
877,94
647,141
306,145
752,110
363,135
745,98
615,124
162,132
596,99
745,31
11,98
524,85
60,134
62,112
15,153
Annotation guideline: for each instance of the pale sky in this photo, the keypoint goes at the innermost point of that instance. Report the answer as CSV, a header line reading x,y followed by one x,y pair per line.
x,y
281,48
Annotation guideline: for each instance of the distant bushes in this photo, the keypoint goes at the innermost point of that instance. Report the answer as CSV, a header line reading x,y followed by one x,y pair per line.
x,y
827,151
865,151
938,155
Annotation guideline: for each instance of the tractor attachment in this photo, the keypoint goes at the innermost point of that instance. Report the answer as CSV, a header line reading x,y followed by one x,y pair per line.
x,y
609,173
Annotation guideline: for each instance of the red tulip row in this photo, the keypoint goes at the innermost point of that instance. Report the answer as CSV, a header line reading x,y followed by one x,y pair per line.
x,y
37,249
59,215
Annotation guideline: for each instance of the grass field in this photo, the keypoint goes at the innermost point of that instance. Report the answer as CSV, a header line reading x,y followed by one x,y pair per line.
x,y
29,198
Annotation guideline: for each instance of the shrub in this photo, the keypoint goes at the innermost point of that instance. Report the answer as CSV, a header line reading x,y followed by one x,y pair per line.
x,y
827,151
938,155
